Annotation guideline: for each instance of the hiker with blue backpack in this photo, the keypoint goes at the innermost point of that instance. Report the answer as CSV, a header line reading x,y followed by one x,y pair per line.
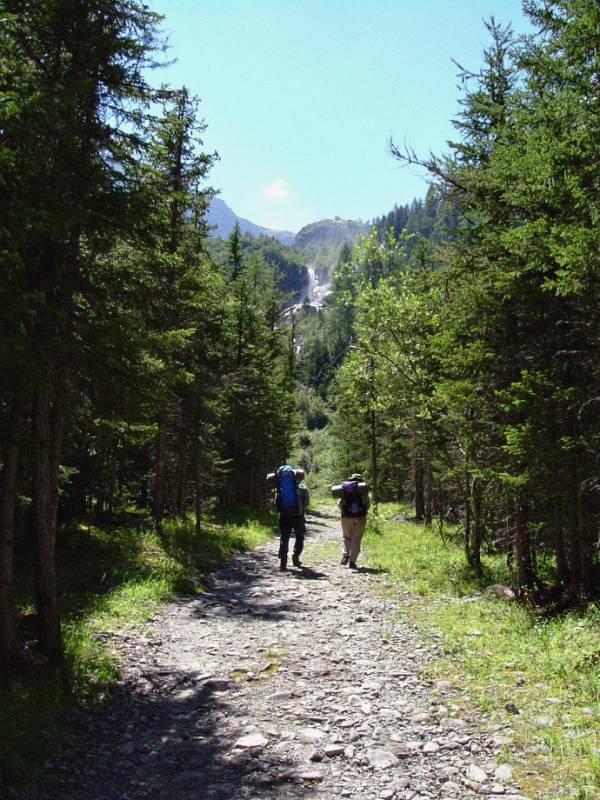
x,y
292,501
354,503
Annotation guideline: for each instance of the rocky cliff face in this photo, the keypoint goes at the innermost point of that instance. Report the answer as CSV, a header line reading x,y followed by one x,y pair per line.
x,y
328,232
320,244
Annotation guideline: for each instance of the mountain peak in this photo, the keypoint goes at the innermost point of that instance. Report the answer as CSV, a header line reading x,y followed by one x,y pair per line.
x,y
223,220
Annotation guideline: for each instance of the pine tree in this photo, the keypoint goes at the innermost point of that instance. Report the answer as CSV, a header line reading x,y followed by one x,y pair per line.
x,y
71,72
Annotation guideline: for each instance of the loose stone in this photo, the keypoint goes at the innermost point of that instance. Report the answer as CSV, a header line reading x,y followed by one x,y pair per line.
x,y
381,759
450,787
476,774
503,773
332,750
251,742
310,777
311,734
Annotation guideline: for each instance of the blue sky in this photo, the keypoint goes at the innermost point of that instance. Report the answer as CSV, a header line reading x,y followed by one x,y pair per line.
x,y
302,96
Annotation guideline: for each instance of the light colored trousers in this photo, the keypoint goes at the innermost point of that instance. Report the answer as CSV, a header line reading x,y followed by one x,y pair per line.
x,y
353,529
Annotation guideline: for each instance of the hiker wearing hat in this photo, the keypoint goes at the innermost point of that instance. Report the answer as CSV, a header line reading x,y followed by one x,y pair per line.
x,y
354,503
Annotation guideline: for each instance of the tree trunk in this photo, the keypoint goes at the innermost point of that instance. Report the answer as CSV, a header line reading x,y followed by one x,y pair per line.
x,y
562,563
467,541
100,515
419,489
509,541
8,636
160,469
178,482
428,490
47,434
525,576
198,495
577,551
374,465
479,529
181,476
144,493
585,549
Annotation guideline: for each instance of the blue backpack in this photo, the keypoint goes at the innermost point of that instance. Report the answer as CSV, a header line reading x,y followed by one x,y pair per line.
x,y
288,497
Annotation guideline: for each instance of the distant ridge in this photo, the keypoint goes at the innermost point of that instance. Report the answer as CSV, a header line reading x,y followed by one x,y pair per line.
x,y
224,218
330,232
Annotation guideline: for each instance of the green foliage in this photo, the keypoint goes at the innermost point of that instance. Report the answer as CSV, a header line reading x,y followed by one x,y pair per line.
x,y
313,410
260,417
425,562
501,652
314,452
434,219
290,265
477,347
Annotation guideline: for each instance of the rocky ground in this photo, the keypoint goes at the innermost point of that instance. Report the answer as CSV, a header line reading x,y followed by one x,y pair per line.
x,y
305,684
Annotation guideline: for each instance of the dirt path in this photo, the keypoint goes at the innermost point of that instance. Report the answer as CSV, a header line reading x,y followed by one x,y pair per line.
x,y
270,685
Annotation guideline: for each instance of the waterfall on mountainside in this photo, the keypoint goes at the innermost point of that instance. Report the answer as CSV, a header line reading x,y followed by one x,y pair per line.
x,y
318,286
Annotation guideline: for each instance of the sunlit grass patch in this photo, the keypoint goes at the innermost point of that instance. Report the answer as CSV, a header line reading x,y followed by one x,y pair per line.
x,y
221,536
499,653
424,561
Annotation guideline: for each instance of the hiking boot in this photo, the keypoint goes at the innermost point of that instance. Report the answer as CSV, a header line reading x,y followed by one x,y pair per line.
x,y
283,565
296,560
352,565
344,560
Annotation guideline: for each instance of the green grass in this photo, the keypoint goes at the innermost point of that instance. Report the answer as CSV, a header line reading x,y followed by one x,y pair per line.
x,y
108,580
499,652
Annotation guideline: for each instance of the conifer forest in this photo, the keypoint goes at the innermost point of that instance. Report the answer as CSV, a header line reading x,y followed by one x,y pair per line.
x,y
152,373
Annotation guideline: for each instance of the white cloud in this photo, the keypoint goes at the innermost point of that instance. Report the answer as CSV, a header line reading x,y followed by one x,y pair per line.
x,y
278,190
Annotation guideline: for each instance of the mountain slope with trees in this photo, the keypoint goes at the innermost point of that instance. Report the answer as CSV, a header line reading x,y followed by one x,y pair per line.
x,y
290,270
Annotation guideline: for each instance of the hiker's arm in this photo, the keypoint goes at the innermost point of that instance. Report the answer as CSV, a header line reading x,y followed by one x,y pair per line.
x,y
305,498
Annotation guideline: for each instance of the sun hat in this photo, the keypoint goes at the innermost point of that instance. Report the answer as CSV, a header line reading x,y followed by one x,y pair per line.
x,y
356,477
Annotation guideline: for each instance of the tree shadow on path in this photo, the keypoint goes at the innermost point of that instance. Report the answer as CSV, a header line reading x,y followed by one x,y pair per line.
x,y
247,589
170,731
172,735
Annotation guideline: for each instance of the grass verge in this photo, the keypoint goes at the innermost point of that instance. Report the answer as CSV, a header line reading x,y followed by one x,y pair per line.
x,y
498,652
108,580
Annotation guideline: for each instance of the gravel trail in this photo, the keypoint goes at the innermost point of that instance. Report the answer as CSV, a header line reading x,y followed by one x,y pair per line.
x,y
305,684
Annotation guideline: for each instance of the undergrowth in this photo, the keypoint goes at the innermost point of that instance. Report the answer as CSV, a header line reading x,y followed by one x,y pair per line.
x,y
499,653
108,580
